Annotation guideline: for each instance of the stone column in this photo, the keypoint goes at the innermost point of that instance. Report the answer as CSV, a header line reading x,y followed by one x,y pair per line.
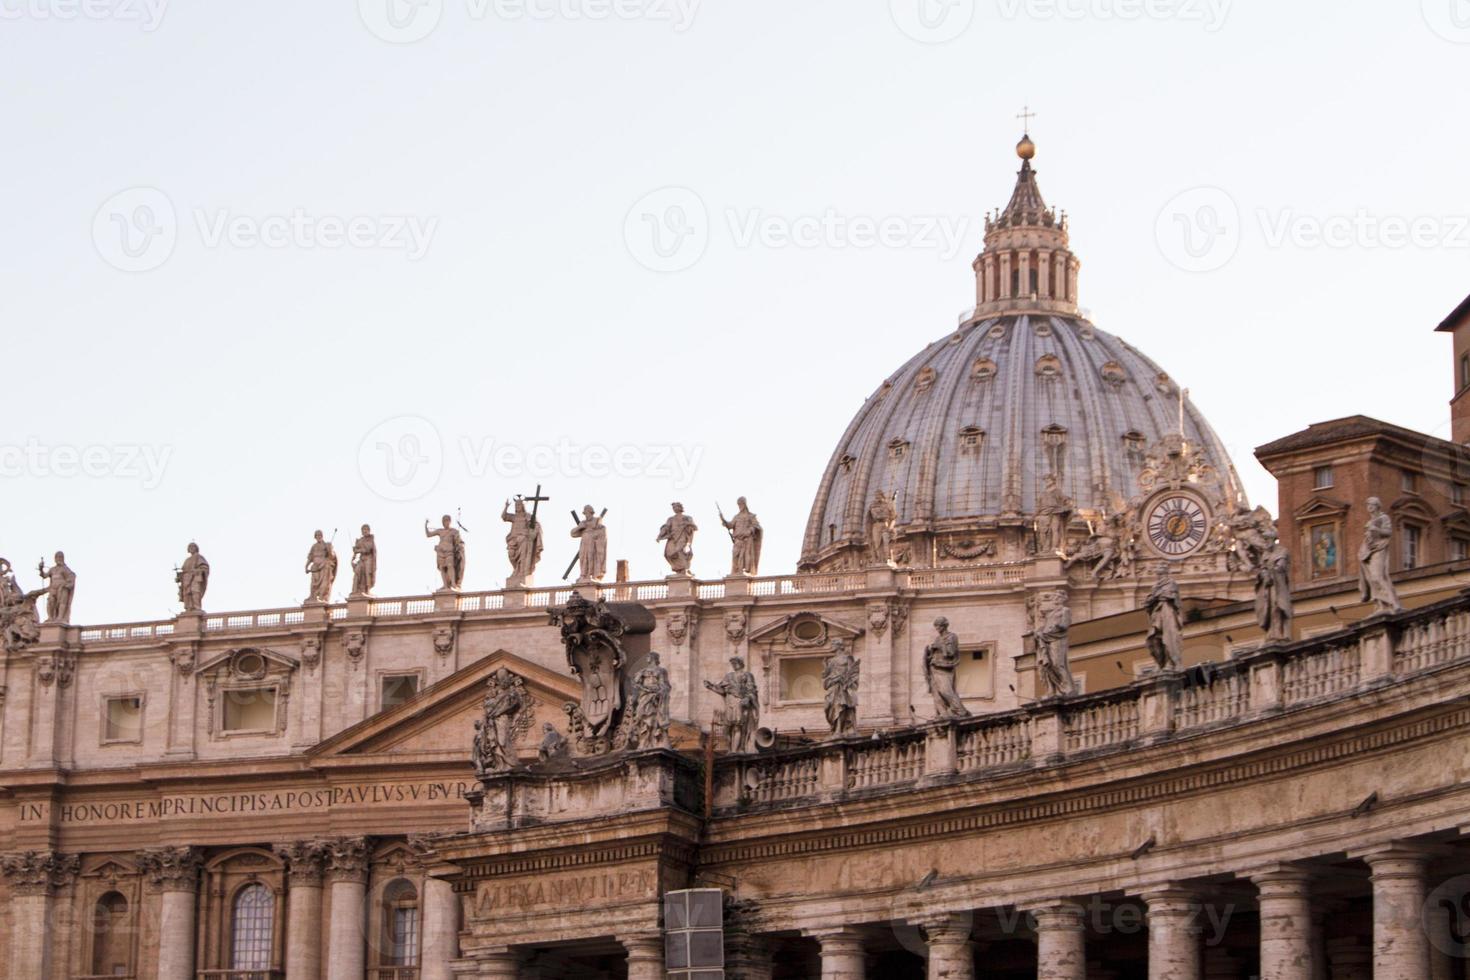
x,y
1349,959
951,953
1286,922
174,871
34,878
347,940
645,956
1173,934
497,964
441,930
303,906
1441,943
747,957
1061,947
842,954
1400,946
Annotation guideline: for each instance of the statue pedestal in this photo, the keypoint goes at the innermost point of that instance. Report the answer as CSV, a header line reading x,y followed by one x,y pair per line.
x,y
738,585
882,578
579,789
189,624
314,611
680,586
446,600
359,606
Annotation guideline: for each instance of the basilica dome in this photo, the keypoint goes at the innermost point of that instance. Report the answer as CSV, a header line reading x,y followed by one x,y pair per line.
x,y
964,436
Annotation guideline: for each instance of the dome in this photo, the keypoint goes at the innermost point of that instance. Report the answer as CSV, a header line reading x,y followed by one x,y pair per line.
x,y
965,435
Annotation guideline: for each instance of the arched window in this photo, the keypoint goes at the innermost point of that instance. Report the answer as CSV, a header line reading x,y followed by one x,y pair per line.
x,y
400,924
252,928
110,936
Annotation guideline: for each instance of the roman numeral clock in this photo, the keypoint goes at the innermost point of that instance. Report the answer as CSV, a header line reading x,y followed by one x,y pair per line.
x,y
1177,524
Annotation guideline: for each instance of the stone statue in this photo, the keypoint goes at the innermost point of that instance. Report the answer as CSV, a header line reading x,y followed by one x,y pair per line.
x,y
1165,621
448,552
554,744
364,563
840,674
651,690
522,544
1274,610
941,660
505,719
592,635
1111,549
882,519
1052,634
1053,514
61,585
1252,533
678,537
592,556
740,714
20,626
321,565
1374,580
193,579
746,536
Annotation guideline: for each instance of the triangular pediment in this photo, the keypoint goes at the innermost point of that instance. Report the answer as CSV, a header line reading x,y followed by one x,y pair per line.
x,y
438,724
805,629
1321,507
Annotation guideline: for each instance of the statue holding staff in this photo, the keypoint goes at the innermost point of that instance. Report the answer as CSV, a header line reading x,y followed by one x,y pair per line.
x,y
364,563
746,535
61,585
448,552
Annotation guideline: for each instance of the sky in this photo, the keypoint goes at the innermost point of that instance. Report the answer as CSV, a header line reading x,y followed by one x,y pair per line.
x,y
274,267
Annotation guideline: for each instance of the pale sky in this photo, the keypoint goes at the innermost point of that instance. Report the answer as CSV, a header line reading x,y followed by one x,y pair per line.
x,y
256,253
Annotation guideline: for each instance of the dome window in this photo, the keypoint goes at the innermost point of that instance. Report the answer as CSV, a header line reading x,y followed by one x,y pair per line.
x,y
972,440
1049,367
1164,383
846,462
1135,444
926,379
998,331
983,370
897,449
1113,374
1043,328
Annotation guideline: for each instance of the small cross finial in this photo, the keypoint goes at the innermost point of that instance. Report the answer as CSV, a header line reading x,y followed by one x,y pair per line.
x,y
1026,115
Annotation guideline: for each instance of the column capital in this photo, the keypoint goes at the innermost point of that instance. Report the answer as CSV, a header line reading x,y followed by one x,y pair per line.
x,y
1397,859
305,860
39,872
1060,914
642,941
844,939
172,869
1170,900
946,927
1283,876
347,859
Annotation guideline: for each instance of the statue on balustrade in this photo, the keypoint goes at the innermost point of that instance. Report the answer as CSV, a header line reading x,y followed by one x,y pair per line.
x,y
449,553
1274,610
651,693
882,520
739,716
20,625
61,585
321,565
506,718
840,676
1165,620
523,543
746,535
941,661
592,552
1052,635
193,580
1053,514
677,534
364,563
1374,578
1250,533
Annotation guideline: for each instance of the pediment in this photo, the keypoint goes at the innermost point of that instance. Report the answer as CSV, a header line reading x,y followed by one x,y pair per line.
x,y
1321,507
438,724
1457,520
249,663
805,630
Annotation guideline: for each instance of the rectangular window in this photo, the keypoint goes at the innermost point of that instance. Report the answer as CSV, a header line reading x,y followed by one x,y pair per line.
x,y
973,677
123,720
249,710
405,938
1457,494
397,689
1460,549
1465,370
1410,482
801,679
1322,478
1413,538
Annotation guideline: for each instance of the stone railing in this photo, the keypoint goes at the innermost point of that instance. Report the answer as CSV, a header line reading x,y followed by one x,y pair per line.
x,y
1254,684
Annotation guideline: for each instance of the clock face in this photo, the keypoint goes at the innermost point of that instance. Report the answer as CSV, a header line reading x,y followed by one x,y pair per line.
x,y
1177,526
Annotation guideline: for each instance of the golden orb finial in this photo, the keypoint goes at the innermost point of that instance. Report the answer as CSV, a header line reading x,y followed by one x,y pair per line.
x,y
1026,149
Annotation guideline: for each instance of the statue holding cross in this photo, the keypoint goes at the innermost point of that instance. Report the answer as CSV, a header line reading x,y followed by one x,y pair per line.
x,y
524,542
